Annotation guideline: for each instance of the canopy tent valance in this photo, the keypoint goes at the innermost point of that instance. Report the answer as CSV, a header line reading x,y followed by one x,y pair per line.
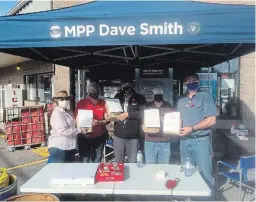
x,y
132,33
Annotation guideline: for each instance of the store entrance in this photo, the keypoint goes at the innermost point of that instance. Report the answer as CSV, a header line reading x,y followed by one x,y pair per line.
x,y
143,79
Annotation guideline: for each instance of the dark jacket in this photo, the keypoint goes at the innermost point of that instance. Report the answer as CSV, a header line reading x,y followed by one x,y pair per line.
x,y
130,128
160,137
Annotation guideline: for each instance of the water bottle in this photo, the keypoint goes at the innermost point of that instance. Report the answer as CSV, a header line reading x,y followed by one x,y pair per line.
x,y
139,159
233,129
189,168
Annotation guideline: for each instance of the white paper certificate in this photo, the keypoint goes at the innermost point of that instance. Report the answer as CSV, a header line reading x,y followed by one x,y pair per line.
x,y
85,118
151,118
114,105
172,122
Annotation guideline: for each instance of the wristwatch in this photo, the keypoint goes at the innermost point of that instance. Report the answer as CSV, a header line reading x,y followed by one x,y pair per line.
x,y
193,130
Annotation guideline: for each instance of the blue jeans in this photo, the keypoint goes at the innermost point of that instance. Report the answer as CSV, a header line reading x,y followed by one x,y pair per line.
x,y
157,152
199,151
61,156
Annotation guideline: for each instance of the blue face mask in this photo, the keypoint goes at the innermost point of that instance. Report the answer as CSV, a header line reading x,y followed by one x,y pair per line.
x,y
192,86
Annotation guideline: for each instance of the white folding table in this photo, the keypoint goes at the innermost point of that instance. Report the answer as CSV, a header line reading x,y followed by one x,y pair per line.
x,y
143,181
138,181
41,182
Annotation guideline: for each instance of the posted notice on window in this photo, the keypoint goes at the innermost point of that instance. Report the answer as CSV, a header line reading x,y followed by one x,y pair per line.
x,y
114,105
172,123
84,118
151,118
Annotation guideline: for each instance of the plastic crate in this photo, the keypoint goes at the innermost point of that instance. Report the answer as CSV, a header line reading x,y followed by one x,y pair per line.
x,y
15,133
25,126
34,118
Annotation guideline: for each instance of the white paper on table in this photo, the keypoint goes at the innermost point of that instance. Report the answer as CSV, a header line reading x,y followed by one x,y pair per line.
x,y
151,118
85,118
172,122
114,105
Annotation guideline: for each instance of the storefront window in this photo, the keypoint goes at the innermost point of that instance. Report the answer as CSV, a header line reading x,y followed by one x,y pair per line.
x,y
39,87
228,87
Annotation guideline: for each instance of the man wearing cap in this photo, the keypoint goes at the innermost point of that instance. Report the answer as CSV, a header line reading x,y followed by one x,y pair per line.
x,y
128,127
198,113
158,146
92,144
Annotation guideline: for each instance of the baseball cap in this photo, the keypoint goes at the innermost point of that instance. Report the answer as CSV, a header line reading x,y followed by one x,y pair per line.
x,y
158,91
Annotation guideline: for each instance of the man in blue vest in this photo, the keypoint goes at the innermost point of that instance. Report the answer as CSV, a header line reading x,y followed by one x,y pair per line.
x,y
198,113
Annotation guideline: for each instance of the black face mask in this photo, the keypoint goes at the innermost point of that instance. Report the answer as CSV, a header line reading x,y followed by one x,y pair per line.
x,y
158,98
128,90
94,96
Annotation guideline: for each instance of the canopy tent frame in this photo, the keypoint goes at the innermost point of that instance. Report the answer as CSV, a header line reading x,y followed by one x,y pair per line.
x,y
125,58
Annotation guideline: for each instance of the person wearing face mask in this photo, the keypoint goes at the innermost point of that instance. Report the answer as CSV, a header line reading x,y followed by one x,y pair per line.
x,y
198,112
63,134
127,128
91,145
157,145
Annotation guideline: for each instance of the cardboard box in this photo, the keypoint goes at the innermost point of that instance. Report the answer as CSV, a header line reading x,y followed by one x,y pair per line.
x,y
151,121
113,108
150,130
172,123
110,172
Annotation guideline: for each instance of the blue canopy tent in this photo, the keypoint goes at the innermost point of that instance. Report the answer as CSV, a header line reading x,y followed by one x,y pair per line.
x,y
133,33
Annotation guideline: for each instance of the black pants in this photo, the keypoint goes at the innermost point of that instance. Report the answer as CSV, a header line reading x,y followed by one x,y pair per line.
x,y
90,150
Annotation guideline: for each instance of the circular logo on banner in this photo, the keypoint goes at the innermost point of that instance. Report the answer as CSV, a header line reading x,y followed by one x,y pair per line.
x,y
193,28
55,32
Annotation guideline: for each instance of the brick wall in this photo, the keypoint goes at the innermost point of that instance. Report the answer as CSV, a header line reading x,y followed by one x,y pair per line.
x,y
61,76
61,79
27,68
247,89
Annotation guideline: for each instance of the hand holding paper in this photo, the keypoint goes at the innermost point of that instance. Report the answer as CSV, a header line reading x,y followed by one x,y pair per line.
x,y
84,130
114,109
122,116
186,131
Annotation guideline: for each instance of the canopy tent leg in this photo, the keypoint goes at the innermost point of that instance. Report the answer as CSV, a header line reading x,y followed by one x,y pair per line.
x,y
72,88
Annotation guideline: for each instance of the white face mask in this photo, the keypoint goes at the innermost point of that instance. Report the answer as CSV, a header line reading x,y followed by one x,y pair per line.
x,y
63,104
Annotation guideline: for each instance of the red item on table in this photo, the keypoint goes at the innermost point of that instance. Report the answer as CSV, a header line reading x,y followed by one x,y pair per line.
x,y
170,184
110,172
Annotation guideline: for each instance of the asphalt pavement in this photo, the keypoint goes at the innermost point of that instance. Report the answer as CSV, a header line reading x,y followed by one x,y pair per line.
x,y
17,158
